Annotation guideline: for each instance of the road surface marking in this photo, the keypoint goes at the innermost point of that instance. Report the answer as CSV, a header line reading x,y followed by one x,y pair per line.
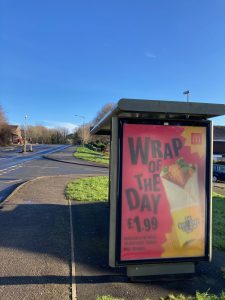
x,y
14,180
9,168
12,168
73,266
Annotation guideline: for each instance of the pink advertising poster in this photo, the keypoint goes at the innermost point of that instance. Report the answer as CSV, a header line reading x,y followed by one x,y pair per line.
x,y
163,191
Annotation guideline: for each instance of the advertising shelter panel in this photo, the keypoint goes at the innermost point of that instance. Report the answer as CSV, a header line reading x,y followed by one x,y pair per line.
x,y
163,205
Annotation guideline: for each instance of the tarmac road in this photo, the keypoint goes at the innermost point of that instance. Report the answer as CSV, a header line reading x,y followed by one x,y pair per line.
x,y
13,155
16,168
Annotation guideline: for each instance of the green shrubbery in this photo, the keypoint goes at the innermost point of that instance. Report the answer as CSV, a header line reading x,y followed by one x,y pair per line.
x,y
218,234
97,146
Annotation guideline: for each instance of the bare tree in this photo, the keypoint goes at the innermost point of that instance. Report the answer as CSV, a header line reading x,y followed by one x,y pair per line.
x,y
101,138
105,109
4,129
59,135
2,117
64,133
83,133
38,134
42,135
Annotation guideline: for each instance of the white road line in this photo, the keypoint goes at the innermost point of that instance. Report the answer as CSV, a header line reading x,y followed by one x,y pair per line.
x,y
73,266
7,168
3,170
12,168
10,181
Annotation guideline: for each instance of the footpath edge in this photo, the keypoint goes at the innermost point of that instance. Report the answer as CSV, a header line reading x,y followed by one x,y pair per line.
x,y
82,163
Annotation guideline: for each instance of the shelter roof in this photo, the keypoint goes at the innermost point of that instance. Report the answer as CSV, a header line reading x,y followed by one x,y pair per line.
x,y
158,109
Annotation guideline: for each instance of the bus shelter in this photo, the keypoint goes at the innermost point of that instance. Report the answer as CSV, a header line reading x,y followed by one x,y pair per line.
x,y
160,184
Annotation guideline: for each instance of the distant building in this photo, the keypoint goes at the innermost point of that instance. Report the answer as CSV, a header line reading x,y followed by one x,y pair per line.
x,y
15,134
219,141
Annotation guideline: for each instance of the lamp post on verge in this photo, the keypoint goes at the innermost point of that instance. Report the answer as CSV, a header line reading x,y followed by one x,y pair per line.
x,y
187,93
25,134
83,118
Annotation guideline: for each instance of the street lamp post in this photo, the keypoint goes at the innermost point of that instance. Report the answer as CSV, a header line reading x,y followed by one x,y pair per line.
x,y
187,93
83,118
25,135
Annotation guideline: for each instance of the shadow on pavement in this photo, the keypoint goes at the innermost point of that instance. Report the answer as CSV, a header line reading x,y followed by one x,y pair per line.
x,y
36,228
91,232
15,280
35,246
94,276
8,190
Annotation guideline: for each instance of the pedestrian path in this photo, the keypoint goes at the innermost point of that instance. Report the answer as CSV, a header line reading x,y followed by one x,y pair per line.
x,y
35,242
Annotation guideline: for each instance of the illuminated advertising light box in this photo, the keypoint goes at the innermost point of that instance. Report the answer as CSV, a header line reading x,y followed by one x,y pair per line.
x,y
163,208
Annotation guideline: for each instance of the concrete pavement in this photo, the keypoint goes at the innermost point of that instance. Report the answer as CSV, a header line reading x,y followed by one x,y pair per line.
x,y
35,242
35,251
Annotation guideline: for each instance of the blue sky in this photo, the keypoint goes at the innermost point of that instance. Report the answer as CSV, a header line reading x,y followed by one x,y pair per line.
x,y
59,58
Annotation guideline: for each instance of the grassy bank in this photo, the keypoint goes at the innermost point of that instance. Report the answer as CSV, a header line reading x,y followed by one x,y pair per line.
x,y
218,221
198,296
91,155
88,189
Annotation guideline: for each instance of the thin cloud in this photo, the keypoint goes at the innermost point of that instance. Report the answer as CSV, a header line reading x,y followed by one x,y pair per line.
x,y
150,55
57,124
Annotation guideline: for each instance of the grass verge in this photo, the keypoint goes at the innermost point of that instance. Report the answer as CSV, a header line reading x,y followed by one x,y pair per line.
x,y
88,189
91,155
218,234
198,296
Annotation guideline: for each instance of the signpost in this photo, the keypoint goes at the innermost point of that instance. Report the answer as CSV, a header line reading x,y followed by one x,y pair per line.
x,y
160,185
